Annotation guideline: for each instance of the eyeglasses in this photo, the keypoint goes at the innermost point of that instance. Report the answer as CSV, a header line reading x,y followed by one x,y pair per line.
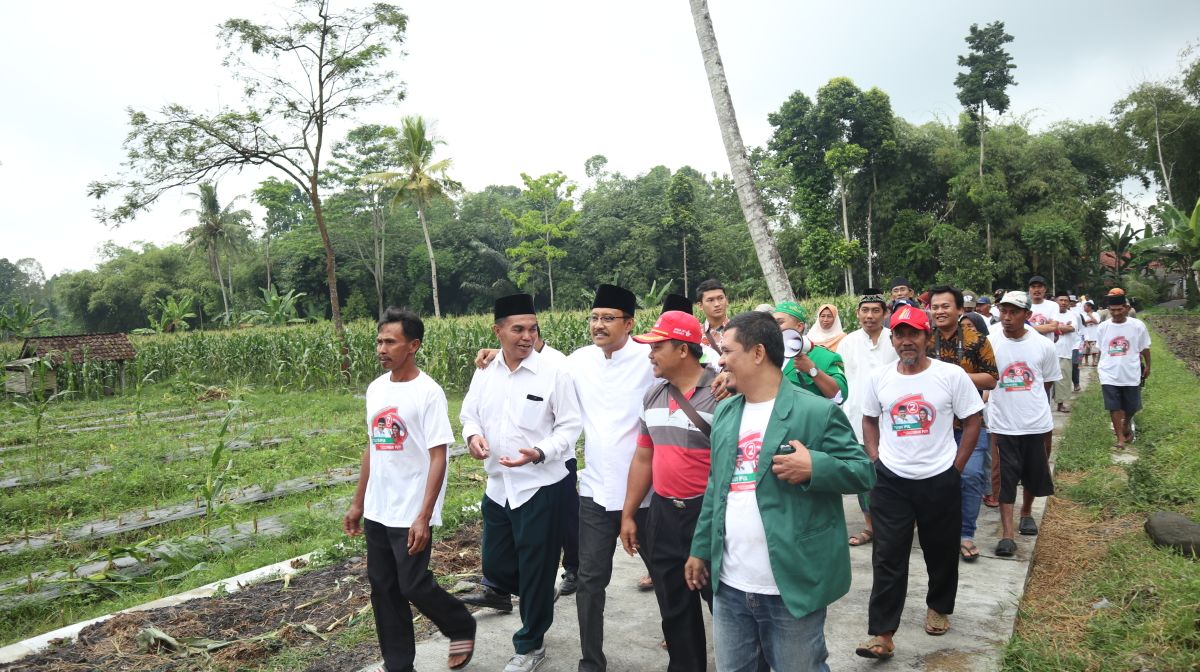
x,y
605,319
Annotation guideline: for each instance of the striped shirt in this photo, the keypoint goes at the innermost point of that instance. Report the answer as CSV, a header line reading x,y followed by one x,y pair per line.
x,y
681,451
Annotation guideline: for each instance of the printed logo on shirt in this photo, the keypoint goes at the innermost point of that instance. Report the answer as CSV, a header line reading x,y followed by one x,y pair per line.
x,y
1016,377
1038,319
388,431
1118,347
749,447
912,415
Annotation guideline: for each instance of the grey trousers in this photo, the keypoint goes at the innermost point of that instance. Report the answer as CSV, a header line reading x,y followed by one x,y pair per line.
x,y
598,532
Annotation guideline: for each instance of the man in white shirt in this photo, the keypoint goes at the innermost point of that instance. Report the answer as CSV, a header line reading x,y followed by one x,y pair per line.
x,y
611,377
1044,314
399,497
1019,415
918,469
1069,326
1124,344
1091,323
522,417
864,350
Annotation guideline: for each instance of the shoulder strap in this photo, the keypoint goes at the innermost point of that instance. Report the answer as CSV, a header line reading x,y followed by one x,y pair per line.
x,y
688,409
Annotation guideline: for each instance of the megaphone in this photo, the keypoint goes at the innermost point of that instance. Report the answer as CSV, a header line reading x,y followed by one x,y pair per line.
x,y
795,344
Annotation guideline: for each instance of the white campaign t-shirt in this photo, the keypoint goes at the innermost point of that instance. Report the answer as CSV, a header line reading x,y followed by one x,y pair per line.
x,y
1046,311
916,416
1121,348
1018,405
1067,343
404,420
747,565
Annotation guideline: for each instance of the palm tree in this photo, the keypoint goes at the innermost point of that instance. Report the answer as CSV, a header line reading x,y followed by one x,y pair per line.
x,y
219,230
421,180
743,176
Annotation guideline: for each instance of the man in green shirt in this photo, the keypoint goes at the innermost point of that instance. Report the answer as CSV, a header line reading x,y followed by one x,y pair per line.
x,y
819,371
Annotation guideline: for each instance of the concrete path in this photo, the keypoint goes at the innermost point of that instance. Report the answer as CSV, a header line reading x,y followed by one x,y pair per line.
x,y
988,592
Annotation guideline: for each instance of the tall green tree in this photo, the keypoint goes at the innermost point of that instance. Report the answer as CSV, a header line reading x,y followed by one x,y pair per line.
x,y
681,222
549,216
315,68
420,180
845,159
739,163
985,83
1162,121
286,207
219,231
1053,238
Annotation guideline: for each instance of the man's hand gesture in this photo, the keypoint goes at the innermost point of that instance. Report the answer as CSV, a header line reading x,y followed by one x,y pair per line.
x,y
795,468
478,447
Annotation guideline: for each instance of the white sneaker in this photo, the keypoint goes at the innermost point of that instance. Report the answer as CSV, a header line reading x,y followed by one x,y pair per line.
x,y
526,662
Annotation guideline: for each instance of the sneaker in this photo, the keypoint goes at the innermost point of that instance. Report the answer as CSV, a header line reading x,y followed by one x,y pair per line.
x,y
526,662
569,584
490,598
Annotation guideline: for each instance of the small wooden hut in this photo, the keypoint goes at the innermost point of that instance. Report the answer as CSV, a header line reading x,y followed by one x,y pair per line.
x,y
111,347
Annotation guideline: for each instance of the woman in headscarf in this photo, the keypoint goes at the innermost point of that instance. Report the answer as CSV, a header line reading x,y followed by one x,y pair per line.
x,y
828,330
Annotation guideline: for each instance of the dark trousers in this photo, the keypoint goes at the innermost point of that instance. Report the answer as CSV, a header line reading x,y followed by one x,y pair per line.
x,y
935,505
598,532
520,555
570,525
670,525
570,512
1075,368
397,579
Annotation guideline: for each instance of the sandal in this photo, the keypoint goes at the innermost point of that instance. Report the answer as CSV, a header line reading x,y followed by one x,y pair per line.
x,y
968,550
645,584
990,501
862,538
936,624
876,647
462,647
1027,526
1006,548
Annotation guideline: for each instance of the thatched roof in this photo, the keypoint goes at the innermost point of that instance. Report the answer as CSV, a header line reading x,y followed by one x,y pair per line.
x,y
114,347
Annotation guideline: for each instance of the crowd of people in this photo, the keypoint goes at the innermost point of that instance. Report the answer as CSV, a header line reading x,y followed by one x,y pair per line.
x,y
718,452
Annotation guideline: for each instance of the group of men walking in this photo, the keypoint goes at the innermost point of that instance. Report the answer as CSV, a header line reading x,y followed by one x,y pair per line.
x,y
719,454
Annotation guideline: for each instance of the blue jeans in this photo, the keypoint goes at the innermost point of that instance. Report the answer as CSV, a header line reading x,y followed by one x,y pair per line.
x,y
975,481
756,633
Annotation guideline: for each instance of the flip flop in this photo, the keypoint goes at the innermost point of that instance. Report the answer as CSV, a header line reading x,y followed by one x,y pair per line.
x,y
1027,526
1006,548
936,624
877,648
862,538
968,550
462,647
990,501
645,584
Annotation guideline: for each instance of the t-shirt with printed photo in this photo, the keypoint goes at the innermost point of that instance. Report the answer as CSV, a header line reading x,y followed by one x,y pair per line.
x,y
1043,313
1019,406
404,420
747,565
1121,347
916,416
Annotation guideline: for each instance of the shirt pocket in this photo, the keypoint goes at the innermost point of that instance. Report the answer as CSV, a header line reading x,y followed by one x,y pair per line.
x,y
532,410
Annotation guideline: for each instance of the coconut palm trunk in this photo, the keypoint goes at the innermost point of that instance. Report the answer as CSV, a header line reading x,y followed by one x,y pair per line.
x,y
437,306
743,176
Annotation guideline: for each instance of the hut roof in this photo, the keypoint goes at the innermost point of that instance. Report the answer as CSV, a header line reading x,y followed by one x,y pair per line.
x,y
112,347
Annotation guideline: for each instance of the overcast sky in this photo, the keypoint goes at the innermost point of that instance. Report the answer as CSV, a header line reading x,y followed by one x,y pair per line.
x,y
534,85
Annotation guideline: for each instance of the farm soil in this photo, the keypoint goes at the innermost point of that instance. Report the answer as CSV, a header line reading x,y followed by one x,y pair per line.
x,y
1182,333
324,599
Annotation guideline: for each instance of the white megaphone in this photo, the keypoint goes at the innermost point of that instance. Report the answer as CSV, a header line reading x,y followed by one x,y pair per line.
x,y
795,343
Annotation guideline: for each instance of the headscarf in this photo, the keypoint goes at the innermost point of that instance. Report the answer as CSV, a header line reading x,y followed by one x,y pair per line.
x,y
827,337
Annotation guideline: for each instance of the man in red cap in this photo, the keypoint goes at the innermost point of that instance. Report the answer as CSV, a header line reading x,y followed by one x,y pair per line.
x,y
673,455
908,430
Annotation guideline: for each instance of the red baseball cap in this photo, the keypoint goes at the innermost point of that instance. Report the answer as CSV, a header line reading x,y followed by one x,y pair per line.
x,y
913,317
673,325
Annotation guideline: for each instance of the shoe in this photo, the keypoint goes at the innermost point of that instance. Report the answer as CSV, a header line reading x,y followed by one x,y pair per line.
x,y
1027,526
1006,548
526,662
490,598
569,583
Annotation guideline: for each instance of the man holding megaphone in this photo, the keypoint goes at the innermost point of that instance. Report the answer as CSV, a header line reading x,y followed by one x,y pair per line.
x,y
813,368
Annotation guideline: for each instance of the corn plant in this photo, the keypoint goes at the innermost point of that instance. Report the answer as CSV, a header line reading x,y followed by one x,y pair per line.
x,y
216,476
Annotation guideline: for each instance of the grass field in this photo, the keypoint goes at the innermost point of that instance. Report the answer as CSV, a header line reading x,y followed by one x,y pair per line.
x,y
1101,596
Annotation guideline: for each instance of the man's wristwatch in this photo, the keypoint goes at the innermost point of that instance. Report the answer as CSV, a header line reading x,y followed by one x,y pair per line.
x,y
812,373
541,456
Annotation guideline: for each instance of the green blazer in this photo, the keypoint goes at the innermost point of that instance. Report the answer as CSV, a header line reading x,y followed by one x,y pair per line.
x,y
805,526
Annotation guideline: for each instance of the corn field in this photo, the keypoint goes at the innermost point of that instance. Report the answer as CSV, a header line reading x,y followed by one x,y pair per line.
x,y
305,357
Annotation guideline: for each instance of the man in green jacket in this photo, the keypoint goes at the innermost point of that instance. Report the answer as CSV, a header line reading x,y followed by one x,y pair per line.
x,y
771,531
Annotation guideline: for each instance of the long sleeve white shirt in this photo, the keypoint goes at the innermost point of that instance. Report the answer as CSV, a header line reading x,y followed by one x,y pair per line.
x,y
533,406
610,394
860,356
